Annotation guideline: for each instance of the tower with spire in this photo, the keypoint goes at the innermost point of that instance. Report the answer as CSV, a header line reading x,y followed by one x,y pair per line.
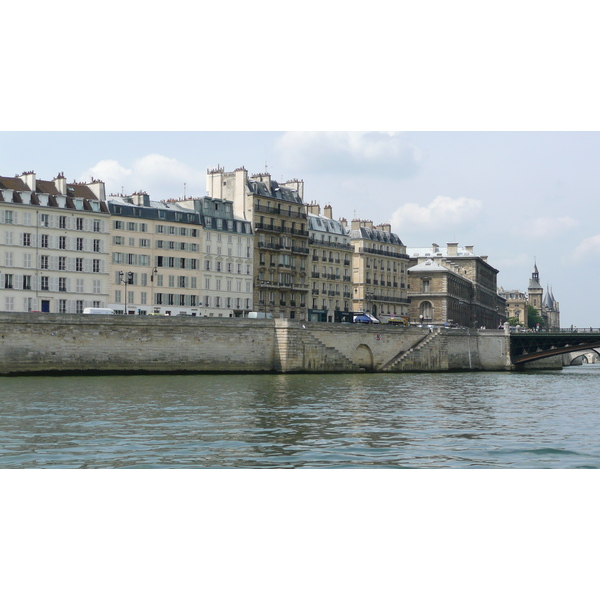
x,y
546,305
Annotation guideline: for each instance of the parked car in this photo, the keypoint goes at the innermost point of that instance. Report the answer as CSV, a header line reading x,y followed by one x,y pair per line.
x,y
365,318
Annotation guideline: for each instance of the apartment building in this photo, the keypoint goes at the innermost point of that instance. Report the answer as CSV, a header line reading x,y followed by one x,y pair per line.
x,y
155,257
227,257
331,272
54,243
454,285
379,270
279,221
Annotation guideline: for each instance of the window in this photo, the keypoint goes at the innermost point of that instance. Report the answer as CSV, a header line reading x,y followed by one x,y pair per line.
x,y
96,286
44,283
62,306
79,264
8,217
96,265
26,282
79,244
44,220
96,245
26,239
62,284
44,260
79,306
44,240
8,281
79,224
97,225
62,263
62,242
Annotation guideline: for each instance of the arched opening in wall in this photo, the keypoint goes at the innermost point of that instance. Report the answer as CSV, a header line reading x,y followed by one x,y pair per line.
x,y
363,357
426,311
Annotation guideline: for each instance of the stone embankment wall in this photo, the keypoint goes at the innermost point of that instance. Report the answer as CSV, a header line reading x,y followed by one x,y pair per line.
x,y
66,343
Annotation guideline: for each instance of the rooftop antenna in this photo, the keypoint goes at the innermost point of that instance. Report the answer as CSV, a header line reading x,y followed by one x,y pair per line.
x,y
184,191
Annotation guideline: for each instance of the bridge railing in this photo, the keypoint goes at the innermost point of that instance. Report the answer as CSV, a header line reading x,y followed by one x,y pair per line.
x,y
556,330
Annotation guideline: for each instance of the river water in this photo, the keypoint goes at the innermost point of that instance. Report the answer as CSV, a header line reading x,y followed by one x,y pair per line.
x,y
427,420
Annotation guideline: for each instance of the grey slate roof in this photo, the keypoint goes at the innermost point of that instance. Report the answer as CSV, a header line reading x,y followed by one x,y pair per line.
x,y
375,235
275,191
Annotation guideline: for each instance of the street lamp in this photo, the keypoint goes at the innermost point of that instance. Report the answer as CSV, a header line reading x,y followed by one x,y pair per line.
x,y
126,278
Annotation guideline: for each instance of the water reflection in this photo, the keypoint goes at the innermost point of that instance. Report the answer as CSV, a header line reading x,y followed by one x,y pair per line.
x,y
288,421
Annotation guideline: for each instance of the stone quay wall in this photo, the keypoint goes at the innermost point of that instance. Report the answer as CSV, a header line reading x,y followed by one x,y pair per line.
x,y
46,343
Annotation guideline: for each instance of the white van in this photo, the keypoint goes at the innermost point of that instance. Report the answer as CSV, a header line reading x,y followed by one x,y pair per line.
x,y
98,311
259,315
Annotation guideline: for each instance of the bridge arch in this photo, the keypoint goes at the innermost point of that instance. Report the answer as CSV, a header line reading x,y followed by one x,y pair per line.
x,y
363,357
528,347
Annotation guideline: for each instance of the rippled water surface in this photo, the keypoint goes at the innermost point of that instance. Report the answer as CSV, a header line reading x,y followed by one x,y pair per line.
x,y
485,420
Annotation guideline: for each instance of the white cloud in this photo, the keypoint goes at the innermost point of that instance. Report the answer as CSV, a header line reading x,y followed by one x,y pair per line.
x,y
353,152
160,176
588,248
549,226
440,213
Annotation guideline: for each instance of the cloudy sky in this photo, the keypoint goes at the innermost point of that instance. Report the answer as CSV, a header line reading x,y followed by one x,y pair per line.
x,y
517,197
452,121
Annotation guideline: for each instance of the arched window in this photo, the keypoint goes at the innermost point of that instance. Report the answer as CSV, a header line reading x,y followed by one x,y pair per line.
x,y
426,309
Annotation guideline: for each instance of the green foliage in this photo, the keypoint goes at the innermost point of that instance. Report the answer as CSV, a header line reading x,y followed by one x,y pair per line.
x,y
533,317
513,321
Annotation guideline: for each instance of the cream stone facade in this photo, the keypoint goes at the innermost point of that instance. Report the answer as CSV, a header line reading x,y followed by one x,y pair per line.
x,y
227,257
331,255
179,257
54,244
279,221
516,305
379,270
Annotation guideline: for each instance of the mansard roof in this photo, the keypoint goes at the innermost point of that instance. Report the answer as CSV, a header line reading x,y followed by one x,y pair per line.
x,y
13,183
375,235
325,225
273,191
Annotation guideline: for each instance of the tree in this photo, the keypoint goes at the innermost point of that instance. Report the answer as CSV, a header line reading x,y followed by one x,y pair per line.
x,y
533,317
513,321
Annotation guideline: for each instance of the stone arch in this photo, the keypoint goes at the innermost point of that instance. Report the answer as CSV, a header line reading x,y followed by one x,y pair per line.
x,y
363,357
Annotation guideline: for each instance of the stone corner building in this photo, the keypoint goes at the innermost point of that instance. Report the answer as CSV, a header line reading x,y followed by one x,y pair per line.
x,y
279,220
453,285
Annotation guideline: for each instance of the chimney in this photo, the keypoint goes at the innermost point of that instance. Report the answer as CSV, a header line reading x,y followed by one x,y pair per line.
x,y
469,249
140,199
344,223
366,224
313,208
385,227
452,248
356,224
60,182
435,248
328,212
28,178
97,188
484,258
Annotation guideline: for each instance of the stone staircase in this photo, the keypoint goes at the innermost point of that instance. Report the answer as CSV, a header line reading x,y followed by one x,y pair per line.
x,y
392,365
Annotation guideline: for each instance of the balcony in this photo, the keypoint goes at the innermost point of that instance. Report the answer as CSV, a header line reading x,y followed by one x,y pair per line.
x,y
382,253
